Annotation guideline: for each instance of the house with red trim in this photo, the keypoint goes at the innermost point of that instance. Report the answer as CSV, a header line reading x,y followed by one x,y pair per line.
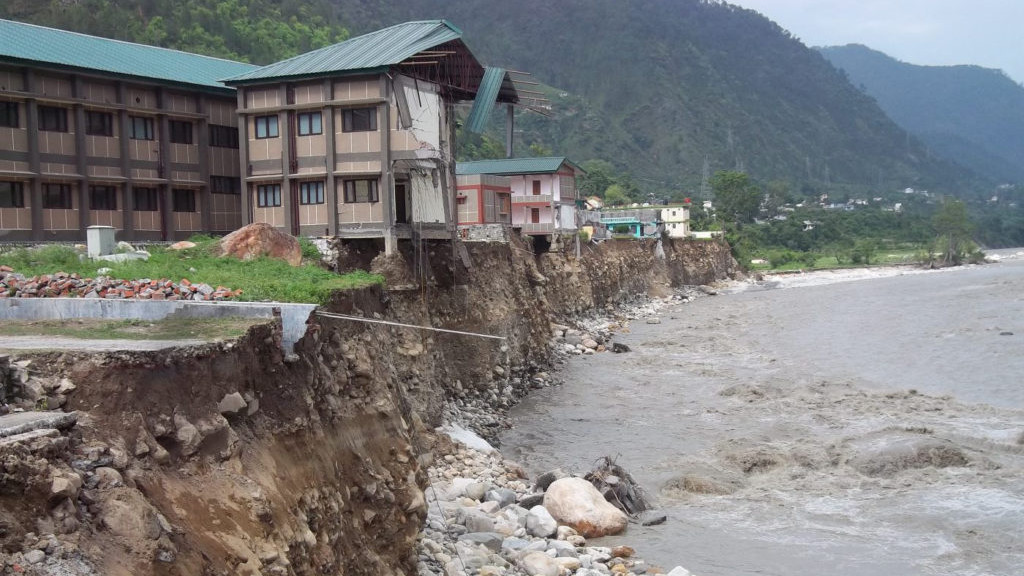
x,y
483,199
543,191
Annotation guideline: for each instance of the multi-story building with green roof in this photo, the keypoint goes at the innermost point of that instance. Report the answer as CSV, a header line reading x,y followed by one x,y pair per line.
x,y
354,140
96,131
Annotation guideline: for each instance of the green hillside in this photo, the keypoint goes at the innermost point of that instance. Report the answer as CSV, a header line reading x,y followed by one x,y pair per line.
x,y
655,86
969,114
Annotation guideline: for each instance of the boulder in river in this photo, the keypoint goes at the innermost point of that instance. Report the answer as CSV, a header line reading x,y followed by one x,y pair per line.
x,y
575,502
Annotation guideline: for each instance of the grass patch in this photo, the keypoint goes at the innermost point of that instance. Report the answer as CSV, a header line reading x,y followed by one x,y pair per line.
x,y
168,329
260,279
817,261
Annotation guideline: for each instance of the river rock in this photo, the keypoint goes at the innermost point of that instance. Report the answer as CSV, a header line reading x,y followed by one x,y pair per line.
x,y
540,522
575,502
679,571
231,404
539,564
619,348
261,239
129,515
545,479
490,540
503,496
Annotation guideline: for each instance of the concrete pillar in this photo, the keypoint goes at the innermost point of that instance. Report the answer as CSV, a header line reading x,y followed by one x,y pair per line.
x,y
331,184
243,157
510,124
387,182
126,171
203,140
285,134
32,128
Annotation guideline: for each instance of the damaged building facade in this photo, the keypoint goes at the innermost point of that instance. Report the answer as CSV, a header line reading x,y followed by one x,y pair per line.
x,y
356,140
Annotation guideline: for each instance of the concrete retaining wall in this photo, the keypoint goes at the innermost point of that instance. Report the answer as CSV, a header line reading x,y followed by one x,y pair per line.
x,y
293,316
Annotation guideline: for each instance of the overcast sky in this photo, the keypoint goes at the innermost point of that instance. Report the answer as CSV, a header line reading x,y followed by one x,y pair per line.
x,y
988,33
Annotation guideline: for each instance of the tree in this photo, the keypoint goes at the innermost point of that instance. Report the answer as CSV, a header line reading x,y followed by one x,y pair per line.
x,y
600,174
736,198
953,230
615,195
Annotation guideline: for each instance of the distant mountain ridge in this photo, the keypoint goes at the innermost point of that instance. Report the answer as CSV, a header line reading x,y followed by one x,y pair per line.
x,y
659,88
658,85
969,114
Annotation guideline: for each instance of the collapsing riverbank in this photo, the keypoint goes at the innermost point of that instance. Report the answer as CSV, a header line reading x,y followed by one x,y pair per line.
x,y
236,458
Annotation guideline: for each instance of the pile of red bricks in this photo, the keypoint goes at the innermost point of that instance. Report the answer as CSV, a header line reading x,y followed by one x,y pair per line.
x,y
63,285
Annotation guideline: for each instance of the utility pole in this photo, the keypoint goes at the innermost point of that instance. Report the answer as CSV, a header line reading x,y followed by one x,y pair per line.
x,y
705,189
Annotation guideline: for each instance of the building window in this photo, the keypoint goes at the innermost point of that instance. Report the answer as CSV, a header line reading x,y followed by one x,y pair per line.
x,y
145,199
57,196
361,191
141,128
536,187
223,136
359,120
225,185
268,195
310,123
12,195
266,127
180,131
53,119
9,114
99,123
102,198
311,193
183,200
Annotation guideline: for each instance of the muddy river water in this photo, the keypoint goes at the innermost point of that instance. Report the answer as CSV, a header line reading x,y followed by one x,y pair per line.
x,y
866,427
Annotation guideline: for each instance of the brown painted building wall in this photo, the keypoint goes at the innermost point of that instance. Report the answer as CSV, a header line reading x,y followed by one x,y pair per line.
x,y
337,158
115,132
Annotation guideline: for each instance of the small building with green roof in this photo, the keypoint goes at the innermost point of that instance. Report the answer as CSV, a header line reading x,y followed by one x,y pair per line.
x,y
544,195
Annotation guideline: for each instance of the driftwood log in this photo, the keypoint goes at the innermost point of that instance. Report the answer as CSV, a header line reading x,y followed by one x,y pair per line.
x,y
618,487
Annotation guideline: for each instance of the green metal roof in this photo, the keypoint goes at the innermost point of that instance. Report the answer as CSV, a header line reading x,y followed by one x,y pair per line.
x,y
486,96
31,43
510,166
379,49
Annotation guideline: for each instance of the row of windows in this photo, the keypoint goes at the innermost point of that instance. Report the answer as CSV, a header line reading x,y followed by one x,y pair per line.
x,y
54,119
104,197
310,123
269,195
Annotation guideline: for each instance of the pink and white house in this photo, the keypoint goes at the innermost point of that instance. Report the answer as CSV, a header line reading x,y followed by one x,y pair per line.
x,y
543,191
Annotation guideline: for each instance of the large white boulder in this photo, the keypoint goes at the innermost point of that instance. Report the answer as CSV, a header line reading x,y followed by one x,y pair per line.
x,y
539,564
575,502
540,523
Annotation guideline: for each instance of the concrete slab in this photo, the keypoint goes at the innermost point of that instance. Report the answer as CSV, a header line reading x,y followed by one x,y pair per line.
x,y
21,422
87,345
293,316
29,436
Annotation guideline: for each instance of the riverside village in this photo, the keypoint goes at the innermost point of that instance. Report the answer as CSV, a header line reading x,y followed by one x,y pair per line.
x,y
314,315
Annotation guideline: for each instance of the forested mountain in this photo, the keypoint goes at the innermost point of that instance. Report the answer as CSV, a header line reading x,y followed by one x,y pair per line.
x,y
655,85
652,86
257,31
969,114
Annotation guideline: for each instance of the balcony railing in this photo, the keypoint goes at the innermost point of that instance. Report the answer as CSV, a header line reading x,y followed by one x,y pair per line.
x,y
538,228
532,198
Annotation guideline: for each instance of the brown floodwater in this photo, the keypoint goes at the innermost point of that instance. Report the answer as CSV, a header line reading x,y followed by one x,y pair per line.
x,y
805,428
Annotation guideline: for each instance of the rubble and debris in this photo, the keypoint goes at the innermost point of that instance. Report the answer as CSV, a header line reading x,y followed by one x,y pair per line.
x,y
64,285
